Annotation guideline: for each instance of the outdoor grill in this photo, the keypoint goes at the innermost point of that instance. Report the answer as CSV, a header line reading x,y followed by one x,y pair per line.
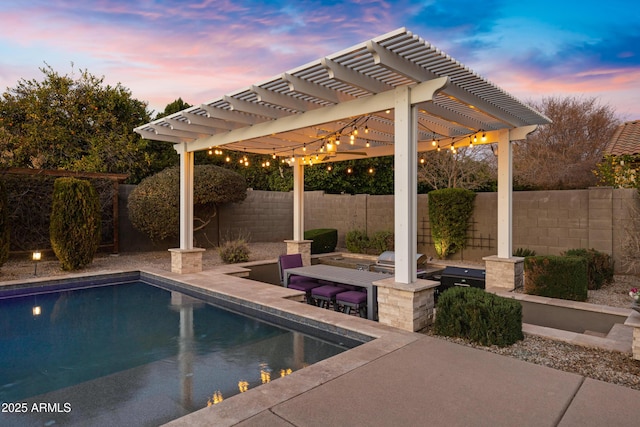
x,y
386,262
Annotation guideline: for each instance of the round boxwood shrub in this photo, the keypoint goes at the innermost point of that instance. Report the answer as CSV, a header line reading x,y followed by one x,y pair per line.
x,y
75,225
4,224
324,240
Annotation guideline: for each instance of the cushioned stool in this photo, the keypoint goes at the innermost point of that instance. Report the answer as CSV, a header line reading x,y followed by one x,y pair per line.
x,y
326,295
299,283
353,299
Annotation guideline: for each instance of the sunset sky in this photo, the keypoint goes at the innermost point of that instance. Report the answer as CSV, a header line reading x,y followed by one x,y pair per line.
x,y
199,50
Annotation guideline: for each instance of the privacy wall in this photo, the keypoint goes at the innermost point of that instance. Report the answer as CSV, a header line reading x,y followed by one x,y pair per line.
x,y
548,222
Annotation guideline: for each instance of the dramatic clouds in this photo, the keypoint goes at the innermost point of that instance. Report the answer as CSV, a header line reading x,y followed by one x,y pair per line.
x,y
197,50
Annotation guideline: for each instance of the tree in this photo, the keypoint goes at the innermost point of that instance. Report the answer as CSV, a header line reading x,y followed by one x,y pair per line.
x,y
75,225
154,203
472,168
4,224
563,154
74,123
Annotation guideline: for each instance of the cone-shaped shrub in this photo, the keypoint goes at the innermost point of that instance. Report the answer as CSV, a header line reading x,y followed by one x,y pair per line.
x,y
75,222
4,224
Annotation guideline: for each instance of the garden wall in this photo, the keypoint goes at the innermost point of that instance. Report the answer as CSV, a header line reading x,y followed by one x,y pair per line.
x,y
548,222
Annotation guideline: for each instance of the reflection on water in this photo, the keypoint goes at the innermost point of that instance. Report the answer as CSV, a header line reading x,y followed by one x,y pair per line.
x,y
137,352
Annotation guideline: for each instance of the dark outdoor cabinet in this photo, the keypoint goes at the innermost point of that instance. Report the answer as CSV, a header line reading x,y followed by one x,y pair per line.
x,y
458,276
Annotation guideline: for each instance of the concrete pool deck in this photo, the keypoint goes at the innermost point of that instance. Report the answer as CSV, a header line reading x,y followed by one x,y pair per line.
x,y
404,378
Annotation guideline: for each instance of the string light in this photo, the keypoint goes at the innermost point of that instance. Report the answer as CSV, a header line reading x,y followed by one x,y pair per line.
x,y
434,142
349,170
366,129
329,168
370,170
484,137
368,144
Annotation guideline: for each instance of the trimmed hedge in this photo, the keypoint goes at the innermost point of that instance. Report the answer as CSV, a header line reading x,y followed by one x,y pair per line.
x,y
324,240
599,266
75,224
553,276
4,224
481,317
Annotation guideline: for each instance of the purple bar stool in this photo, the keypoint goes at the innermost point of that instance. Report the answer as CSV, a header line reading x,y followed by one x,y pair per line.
x,y
326,295
299,283
353,299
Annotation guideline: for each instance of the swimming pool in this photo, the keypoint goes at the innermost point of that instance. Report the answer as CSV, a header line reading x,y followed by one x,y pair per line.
x,y
134,353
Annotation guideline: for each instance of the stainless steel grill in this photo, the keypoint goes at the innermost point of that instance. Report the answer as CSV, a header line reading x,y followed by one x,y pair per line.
x,y
386,262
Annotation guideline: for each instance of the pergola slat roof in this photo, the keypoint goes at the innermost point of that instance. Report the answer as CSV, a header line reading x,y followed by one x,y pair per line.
x,y
467,105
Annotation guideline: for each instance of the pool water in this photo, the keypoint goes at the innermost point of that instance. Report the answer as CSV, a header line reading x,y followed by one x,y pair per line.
x,y
134,354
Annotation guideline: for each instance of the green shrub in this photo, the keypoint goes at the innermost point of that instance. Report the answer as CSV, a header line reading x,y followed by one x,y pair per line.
x,y
552,276
324,240
234,251
524,252
450,210
479,316
599,266
4,225
357,241
381,241
154,204
75,224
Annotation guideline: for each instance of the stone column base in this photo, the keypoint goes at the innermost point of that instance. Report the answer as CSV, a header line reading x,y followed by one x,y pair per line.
x,y
634,321
302,247
504,273
406,306
184,261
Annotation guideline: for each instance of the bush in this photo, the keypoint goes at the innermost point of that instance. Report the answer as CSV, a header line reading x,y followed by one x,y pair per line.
x,y
481,317
154,204
381,241
524,252
324,240
4,225
234,251
449,212
599,266
75,224
357,241
552,276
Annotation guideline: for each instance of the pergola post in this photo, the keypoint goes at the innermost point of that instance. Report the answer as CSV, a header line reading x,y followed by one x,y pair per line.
x,y
186,259
405,186
298,244
505,271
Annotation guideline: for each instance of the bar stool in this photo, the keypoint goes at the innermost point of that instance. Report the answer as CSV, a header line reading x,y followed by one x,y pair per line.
x,y
299,283
353,299
326,295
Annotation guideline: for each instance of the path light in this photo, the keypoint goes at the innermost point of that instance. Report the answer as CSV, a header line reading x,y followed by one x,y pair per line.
x,y
36,257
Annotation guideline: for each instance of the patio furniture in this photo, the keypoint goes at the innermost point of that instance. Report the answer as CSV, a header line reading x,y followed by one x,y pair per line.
x,y
299,283
326,295
356,300
349,276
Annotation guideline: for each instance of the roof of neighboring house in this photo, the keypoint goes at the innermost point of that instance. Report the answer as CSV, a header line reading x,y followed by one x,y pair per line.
x,y
626,139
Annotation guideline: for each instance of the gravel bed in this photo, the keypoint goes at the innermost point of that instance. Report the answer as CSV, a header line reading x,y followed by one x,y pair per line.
x,y
609,366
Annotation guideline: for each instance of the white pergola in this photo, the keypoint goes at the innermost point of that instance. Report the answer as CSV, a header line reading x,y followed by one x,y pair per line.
x,y
393,95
